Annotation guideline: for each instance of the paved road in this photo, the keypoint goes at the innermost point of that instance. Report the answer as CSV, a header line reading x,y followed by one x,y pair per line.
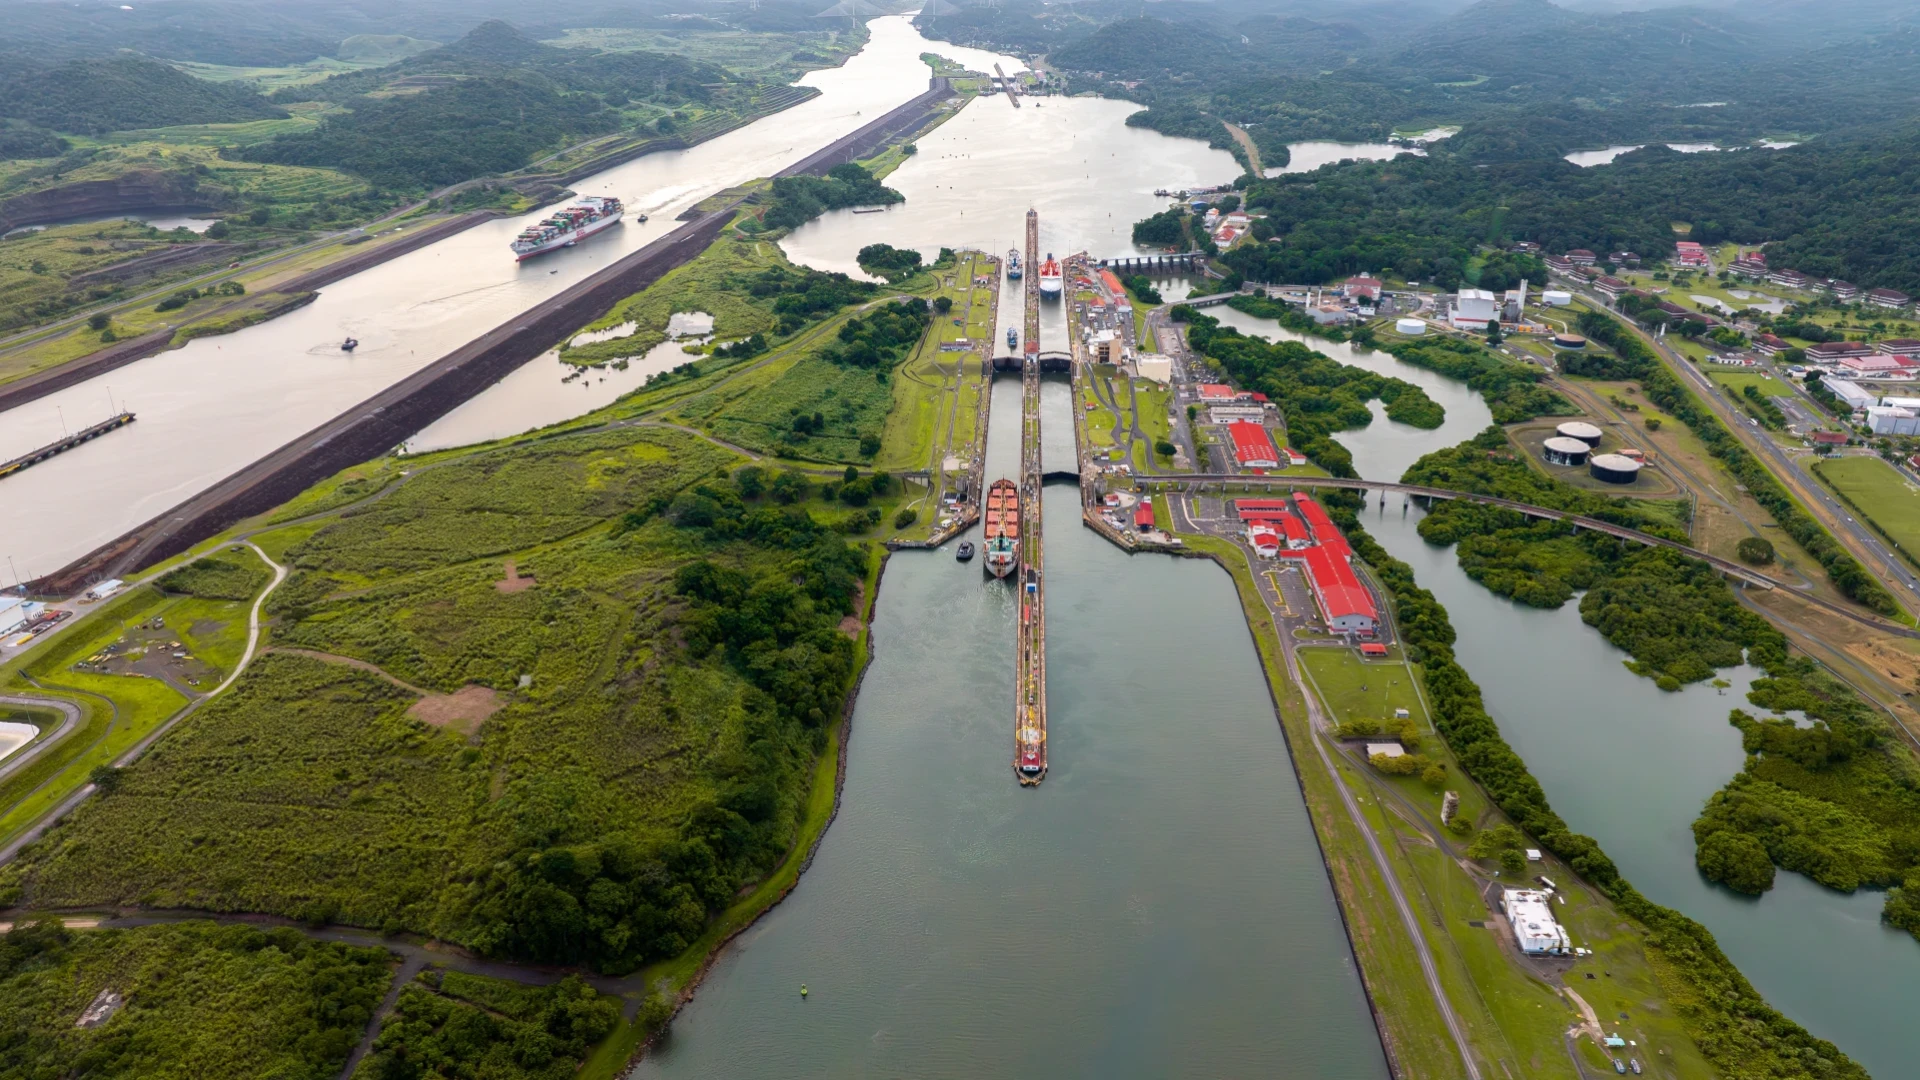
x,y
1856,536
1320,725
67,806
69,719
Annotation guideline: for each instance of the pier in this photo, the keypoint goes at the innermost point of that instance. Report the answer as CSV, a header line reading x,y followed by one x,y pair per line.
x,y
1030,681
35,457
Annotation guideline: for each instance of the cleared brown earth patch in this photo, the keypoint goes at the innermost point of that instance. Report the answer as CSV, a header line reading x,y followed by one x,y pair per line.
x,y
514,582
464,710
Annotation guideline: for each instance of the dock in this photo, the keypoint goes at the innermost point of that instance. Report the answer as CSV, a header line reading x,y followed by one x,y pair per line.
x,y
35,457
1030,682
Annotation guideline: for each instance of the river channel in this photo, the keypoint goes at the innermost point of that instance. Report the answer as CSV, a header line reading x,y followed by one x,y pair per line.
x,y
1631,766
209,408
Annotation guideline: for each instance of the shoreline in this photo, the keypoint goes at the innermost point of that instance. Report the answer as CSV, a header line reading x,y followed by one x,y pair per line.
x,y
49,380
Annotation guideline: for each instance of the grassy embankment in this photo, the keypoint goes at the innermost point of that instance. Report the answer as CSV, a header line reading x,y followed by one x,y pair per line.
x,y
1513,1014
125,697
1509,988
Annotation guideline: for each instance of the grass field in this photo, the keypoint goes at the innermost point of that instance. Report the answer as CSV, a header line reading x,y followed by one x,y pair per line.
x,y
203,1001
1879,493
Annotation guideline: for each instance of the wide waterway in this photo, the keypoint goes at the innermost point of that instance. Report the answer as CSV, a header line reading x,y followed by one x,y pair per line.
x,y
210,408
1632,766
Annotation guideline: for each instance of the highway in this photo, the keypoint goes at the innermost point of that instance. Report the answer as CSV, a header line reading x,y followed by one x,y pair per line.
x,y
1858,537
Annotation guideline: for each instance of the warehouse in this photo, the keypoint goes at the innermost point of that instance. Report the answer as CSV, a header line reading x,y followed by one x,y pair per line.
x,y
1345,603
1253,446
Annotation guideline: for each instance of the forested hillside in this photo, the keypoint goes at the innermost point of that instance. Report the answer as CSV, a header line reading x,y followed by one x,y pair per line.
x,y
91,97
1845,206
487,103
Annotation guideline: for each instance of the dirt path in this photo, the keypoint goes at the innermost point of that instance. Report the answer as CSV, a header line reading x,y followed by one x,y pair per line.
x,y
348,661
1246,143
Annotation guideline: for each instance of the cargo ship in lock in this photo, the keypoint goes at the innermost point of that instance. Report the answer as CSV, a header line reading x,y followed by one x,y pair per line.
x,y
1050,277
573,223
1002,528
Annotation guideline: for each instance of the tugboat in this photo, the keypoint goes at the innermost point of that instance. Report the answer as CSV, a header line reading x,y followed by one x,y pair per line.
x,y
1013,265
642,219
1003,527
1050,277
1013,338
966,551
349,345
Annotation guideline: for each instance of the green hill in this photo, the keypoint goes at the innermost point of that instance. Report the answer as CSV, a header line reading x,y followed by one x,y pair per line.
x,y
93,97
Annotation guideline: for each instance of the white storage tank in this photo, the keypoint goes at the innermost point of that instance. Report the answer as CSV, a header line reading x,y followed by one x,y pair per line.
x,y
1579,429
1564,451
1614,468
1409,327
1556,298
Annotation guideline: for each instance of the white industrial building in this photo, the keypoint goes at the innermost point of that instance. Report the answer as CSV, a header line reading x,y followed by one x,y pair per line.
x,y
1556,298
1155,366
1851,393
1892,420
1538,933
1473,309
15,613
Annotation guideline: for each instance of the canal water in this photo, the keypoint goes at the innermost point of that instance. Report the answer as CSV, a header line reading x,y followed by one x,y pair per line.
x,y
1158,907
213,406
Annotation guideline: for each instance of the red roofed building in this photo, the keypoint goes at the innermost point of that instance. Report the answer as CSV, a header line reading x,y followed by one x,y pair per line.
x,y
1253,446
1266,542
1689,253
1368,287
1143,515
1344,602
1218,392
1324,531
1770,345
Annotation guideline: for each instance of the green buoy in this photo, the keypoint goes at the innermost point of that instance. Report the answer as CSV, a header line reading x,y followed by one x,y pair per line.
x,y
803,989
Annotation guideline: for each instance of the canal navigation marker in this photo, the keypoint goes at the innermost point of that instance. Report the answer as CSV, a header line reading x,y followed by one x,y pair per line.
x,y
1030,683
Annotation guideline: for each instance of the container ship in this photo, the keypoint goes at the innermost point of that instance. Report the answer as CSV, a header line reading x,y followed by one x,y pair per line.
x,y
1003,528
1013,265
1050,276
573,223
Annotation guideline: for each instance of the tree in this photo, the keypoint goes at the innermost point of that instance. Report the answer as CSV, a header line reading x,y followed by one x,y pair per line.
x,y
217,231
1513,861
943,304
869,444
1163,448
1493,332
750,481
1653,423
1434,776
1754,549
789,487
907,516
100,321
850,475
1736,860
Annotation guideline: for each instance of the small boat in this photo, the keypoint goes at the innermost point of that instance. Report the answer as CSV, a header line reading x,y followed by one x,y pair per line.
x,y
642,219
1619,1066
1634,1064
869,209
349,345
1013,338
966,551
1013,265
